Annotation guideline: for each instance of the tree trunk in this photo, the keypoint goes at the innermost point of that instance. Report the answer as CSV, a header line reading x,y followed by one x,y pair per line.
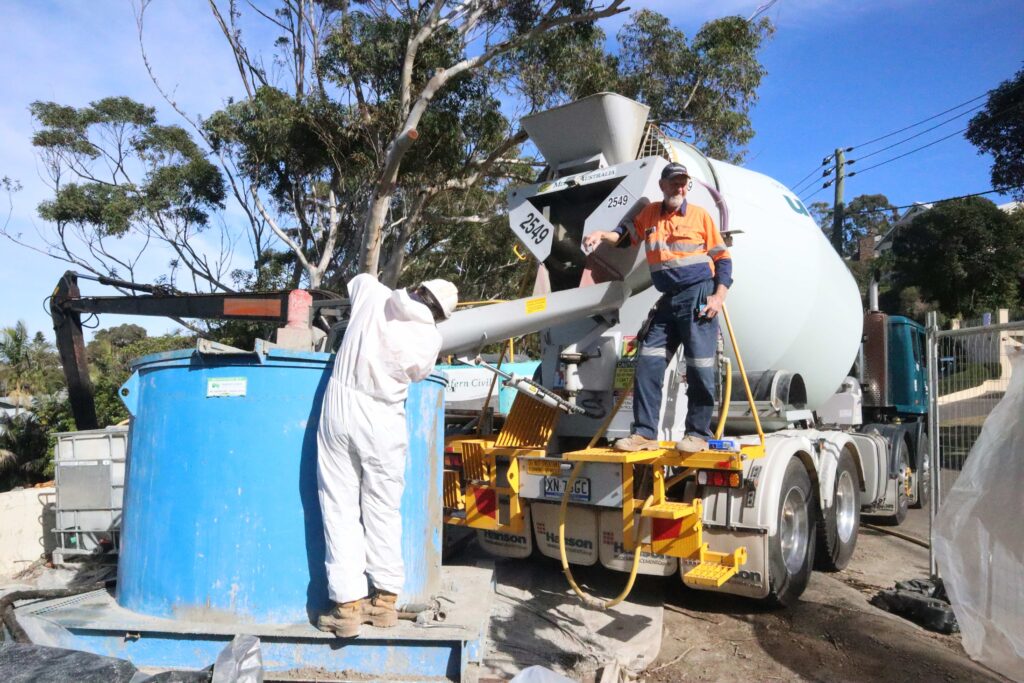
x,y
369,254
393,268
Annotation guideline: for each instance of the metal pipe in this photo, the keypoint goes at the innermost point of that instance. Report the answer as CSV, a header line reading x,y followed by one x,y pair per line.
x,y
1002,327
470,330
934,448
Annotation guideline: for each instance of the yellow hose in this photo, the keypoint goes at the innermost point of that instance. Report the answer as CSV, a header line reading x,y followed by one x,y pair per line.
x,y
593,602
589,600
743,375
723,412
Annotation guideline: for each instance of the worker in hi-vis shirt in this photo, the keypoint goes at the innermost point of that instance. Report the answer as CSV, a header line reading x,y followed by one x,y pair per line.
x,y
391,341
691,267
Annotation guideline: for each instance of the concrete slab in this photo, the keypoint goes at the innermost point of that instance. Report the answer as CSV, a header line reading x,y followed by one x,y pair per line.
x,y
25,534
537,619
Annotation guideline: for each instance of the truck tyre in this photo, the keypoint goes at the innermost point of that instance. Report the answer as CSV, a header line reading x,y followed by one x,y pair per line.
x,y
791,549
837,526
922,474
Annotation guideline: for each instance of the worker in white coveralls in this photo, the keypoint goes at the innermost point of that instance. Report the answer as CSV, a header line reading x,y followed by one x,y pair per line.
x,y
391,341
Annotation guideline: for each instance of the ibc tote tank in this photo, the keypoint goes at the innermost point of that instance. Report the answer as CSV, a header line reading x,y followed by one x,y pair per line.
x,y
221,516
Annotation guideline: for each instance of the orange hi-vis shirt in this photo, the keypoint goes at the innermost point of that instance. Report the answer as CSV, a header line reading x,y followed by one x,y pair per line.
x,y
683,247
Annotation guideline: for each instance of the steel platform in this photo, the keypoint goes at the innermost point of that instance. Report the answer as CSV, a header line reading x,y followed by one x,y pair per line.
x,y
445,650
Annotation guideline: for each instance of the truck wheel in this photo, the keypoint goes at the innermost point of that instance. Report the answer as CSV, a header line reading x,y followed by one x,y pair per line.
x,y
922,475
837,527
791,549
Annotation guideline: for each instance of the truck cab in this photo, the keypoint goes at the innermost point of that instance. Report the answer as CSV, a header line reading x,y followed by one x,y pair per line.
x,y
907,370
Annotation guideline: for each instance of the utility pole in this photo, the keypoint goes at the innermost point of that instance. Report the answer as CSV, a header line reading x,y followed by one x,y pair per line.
x,y
837,205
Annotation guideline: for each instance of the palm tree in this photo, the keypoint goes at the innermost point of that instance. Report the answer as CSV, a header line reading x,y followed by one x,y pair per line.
x,y
24,450
16,357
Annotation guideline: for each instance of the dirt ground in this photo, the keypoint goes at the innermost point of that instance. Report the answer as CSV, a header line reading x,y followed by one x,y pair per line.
x,y
832,634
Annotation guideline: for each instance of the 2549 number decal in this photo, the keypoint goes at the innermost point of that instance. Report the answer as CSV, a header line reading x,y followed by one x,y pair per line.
x,y
533,228
620,200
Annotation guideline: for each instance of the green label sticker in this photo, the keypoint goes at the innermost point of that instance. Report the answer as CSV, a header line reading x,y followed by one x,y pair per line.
x,y
226,386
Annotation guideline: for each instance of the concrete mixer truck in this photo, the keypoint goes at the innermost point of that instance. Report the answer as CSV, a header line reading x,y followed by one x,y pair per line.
x,y
809,432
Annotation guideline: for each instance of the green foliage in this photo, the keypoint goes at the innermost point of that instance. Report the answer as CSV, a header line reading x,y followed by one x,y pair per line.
x,y
867,215
999,130
283,143
309,148
175,182
28,365
479,258
705,86
24,451
575,52
110,355
27,440
966,254
701,88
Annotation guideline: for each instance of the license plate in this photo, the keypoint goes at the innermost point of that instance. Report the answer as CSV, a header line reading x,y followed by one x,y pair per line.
x,y
554,487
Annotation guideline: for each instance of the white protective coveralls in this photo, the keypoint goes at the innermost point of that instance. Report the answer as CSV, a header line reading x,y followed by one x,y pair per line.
x,y
391,341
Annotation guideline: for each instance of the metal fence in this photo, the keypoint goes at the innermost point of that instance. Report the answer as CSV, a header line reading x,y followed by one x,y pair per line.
x,y
968,373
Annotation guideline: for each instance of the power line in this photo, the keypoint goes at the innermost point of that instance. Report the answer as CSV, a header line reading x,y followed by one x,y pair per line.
x,y
803,187
816,168
997,190
810,197
905,154
934,116
933,142
917,135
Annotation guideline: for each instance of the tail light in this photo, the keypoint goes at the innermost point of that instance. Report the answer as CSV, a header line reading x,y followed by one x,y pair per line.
x,y
719,478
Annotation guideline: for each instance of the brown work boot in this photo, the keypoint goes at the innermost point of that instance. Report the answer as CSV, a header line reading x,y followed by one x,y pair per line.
x,y
635,442
691,444
344,619
381,609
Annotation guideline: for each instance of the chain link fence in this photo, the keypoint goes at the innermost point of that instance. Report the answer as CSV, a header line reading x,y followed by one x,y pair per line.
x,y
968,373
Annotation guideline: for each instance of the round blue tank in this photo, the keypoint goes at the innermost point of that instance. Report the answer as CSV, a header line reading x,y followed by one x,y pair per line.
x,y
221,516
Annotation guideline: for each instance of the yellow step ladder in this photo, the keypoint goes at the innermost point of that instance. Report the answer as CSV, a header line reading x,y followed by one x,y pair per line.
x,y
472,496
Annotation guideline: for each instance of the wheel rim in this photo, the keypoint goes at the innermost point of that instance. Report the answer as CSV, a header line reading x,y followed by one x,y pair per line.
x,y
924,469
793,530
904,480
846,506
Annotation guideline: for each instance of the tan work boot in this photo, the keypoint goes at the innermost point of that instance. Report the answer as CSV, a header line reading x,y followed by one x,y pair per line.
x,y
381,609
635,442
691,444
344,619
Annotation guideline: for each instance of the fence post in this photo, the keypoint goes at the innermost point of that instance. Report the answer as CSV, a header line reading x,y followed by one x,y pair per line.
x,y
934,454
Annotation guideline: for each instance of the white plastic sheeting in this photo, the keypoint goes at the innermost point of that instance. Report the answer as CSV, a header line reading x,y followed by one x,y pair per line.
x,y
978,541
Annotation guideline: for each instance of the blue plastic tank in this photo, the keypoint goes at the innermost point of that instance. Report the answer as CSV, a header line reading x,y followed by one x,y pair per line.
x,y
221,517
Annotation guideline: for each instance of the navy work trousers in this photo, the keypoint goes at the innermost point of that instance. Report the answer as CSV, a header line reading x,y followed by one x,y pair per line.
x,y
675,323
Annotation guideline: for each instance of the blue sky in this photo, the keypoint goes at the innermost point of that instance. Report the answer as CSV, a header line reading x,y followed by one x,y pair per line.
x,y
839,73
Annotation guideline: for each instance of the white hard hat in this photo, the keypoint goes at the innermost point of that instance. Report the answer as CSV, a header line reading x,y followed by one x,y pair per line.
x,y
446,294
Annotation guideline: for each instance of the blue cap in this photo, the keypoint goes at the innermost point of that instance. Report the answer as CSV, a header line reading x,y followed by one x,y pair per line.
x,y
673,170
